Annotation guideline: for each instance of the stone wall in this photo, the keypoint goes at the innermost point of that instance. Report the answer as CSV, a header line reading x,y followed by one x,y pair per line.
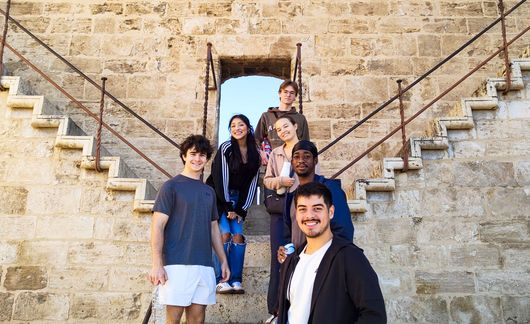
x,y
69,250
153,53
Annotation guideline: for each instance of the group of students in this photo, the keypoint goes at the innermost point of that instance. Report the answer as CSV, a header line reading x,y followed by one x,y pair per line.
x,y
306,209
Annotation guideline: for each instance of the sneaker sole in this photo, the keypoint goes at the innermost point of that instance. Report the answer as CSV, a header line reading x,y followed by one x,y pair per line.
x,y
238,291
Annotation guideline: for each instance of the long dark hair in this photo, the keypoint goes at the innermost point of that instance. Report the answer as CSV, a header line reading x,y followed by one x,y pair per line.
x,y
253,158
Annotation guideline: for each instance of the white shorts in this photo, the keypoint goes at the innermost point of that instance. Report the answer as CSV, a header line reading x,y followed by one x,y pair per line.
x,y
188,284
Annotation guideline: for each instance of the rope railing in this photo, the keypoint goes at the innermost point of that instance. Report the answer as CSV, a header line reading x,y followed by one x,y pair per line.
x,y
419,112
85,109
298,72
88,79
420,78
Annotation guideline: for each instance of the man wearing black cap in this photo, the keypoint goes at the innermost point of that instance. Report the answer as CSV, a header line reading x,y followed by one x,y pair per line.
x,y
304,160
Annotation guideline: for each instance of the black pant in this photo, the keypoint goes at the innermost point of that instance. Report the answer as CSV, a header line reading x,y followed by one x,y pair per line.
x,y
276,239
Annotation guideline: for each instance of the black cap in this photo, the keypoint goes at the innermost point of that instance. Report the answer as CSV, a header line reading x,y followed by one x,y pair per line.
x,y
306,145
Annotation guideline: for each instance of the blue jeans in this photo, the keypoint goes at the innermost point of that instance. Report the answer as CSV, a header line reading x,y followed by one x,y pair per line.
x,y
235,252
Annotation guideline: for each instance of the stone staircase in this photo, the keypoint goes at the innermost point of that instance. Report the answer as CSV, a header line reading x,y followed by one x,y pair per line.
x,y
447,238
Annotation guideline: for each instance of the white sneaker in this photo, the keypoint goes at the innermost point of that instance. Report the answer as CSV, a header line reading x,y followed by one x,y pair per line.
x,y
224,288
237,288
271,320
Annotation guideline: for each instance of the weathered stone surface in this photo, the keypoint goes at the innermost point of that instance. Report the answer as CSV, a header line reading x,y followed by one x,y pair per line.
x,y
13,200
130,279
8,252
52,227
78,278
484,174
112,306
26,278
473,256
17,228
522,173
417,310
6,306
515,309
444,282
475,309
516,256
100,253
503,282
31,306
56,200
514,231
43,252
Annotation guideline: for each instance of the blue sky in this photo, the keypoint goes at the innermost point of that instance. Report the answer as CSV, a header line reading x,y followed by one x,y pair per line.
x,y
250,96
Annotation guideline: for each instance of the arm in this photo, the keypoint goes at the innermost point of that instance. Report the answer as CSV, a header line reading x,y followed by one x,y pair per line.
x,y
158,275
246,197
272,180
220,178
341,223
363,288
217,245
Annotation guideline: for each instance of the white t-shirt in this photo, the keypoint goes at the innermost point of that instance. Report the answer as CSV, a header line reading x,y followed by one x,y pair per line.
x,y
301,286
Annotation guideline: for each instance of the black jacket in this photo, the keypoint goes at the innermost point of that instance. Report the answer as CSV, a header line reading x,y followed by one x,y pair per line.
x,y
222,180
346,288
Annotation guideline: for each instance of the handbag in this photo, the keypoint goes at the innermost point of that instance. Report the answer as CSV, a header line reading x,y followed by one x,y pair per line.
x,y
274,202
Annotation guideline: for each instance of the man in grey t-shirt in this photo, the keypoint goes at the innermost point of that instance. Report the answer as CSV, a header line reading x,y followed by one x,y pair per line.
x,y
183,231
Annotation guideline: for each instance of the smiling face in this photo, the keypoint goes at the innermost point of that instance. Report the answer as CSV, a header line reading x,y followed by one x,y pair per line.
x,y
313,216
194,161
238,129
285,129
287,95
303,163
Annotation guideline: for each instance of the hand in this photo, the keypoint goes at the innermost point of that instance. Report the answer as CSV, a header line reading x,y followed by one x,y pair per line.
x,y
264,158
286,181
225,271
231,215
157,275
281,254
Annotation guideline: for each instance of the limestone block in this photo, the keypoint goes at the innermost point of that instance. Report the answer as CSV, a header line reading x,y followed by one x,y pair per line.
x,y
41,306
320,130
115,8
255,306
502,129
439,173
406,203
484,174
453,229
389,66
82,26
265,26
17,227
129,279
468,8
26,278
469,149
138,254
6,306
78,278
438,201
508,202
331,46
398,25
111,306
339,111
404,254
257,253
43,252
516,256
198,26
429,45
444,282
395,231
13,200
475,256
417,309
26,8
104,25
369,8
118,45
396,282
132,230
351,26
503,148
69,227
126,25
503,282
57,8
146,87
97,253
515,309
518,109
85,45
412,8
125,66
56,200
8,252
371,89
143,8
476,309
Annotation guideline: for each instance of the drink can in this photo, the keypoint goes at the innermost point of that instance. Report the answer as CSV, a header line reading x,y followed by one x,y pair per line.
x,y
289,248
